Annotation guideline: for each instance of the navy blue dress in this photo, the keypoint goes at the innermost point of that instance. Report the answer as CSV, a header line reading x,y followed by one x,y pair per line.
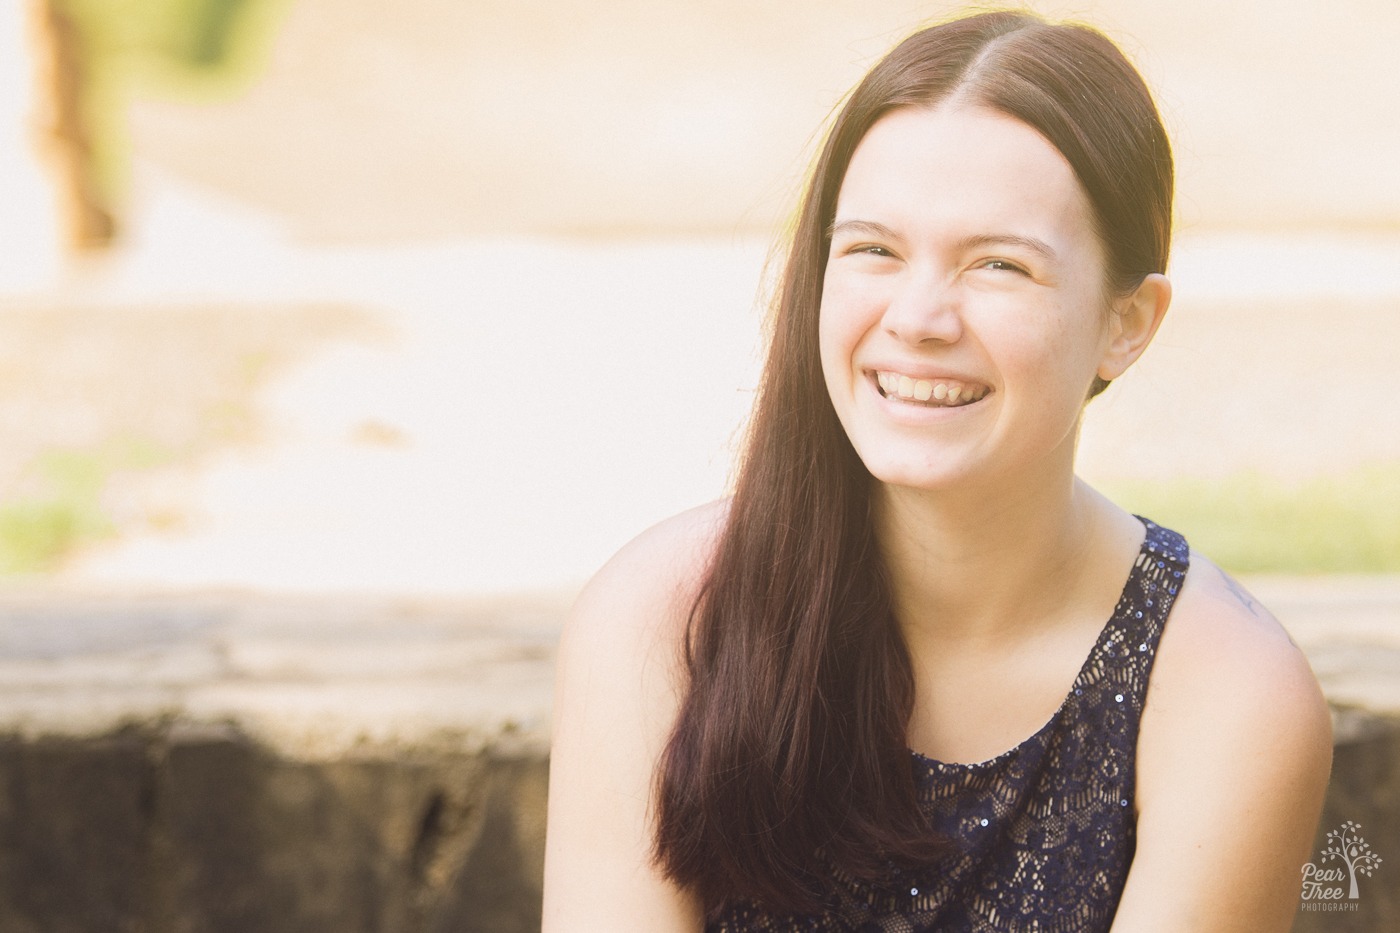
x,y
1046,831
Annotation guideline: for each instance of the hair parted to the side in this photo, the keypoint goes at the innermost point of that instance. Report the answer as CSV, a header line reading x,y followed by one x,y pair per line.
x,y
789,755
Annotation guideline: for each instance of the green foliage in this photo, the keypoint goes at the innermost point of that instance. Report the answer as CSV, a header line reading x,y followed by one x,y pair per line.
x,y
188,48
1252,523
198,37
61,507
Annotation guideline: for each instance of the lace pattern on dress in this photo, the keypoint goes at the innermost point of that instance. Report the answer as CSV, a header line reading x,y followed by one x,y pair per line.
x,y
1046,830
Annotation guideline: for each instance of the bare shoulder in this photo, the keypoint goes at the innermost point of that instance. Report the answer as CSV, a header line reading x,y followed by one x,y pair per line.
x,y
645,591
616,698
1225,657
1233,760
619,665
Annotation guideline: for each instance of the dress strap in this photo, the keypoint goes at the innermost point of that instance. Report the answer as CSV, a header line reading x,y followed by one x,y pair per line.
x,y
1161,569
1166,545
1119,671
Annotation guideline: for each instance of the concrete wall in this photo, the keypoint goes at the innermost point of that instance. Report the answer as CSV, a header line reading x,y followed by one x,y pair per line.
x,y
183,828
1365,789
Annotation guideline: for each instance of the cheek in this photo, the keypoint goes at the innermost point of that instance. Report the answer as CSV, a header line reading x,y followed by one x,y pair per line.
x,y
1058,359
835,361
838,333
1093,338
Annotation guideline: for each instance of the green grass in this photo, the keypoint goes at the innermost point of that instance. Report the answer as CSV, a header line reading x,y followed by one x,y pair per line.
x,y
1252,523
61,508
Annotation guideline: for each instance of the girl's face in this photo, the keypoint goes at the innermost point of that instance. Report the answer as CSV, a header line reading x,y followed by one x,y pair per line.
x,y
964,312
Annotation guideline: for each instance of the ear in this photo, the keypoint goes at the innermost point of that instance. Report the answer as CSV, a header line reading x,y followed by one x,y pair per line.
x,y
1135,319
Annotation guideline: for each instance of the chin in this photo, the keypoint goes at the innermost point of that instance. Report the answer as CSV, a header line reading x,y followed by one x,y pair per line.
x,y
930,477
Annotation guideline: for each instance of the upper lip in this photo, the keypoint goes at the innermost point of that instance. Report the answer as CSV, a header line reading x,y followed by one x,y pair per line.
x,y
919,372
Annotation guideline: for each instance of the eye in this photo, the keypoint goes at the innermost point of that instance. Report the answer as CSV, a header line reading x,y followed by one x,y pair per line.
x,y
870,249
1002,265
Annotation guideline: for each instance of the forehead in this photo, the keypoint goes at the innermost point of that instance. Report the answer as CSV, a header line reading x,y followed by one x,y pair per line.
x,y
923,170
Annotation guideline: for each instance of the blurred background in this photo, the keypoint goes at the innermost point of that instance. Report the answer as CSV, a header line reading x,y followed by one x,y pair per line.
x,y
341,340
450,297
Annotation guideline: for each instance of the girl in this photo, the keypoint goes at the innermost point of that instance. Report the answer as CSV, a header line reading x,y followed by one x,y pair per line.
x,y
914,674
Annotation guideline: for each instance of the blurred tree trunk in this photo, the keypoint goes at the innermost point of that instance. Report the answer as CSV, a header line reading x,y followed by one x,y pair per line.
x,y
63,122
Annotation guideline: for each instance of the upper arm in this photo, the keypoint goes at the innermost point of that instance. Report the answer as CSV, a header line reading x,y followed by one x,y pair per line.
x,y
1233,762
615,702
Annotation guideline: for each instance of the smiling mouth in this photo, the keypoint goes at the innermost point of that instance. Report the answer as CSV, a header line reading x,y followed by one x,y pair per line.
x,y
931,393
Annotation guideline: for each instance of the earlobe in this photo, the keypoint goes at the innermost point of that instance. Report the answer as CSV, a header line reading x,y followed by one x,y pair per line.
x,y
1136,318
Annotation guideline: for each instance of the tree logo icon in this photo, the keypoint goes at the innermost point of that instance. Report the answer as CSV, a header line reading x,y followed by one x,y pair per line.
x,y
1344,844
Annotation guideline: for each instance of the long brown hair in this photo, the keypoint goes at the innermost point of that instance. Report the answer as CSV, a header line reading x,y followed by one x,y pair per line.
x,y
789,756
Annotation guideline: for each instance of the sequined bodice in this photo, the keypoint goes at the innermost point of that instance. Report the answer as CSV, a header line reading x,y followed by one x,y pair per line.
x,y
1046,831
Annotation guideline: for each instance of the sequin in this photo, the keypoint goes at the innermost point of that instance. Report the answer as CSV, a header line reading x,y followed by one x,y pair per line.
x,y
914,892
1118,698
984,821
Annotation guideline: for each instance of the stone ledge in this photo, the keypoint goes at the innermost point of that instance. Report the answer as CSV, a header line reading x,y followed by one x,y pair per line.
x,y
228,762
219,761
312,677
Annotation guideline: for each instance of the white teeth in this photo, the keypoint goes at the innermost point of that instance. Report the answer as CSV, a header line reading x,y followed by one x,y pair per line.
x,y
924,390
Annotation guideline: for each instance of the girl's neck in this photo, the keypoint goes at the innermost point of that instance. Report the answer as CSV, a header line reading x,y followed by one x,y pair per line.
x,y
975,569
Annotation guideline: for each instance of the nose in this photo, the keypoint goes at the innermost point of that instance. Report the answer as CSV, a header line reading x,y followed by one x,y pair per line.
x,y
924,308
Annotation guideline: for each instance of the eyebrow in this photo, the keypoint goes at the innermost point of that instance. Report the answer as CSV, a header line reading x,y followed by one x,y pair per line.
x,y
975,241
1031,243
871,227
